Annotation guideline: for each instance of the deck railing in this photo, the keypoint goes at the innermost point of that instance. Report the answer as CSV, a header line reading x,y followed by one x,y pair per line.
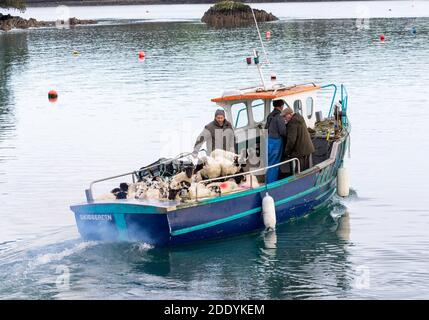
x,y
88,192
298,166
90,198
331,85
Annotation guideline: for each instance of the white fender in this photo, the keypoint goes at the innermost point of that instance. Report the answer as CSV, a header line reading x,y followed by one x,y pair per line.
x,y
269,212
342,182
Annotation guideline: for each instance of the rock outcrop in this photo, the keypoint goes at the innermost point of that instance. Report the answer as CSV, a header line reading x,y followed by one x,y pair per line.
x,y
234,14
8,22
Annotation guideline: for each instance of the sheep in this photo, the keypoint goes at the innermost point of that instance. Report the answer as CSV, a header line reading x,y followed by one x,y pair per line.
x,y
179,178
249,181
152,194
219,154
141,189
211,169
178,190
151,188
230,162
200,190
229,167
224,187
132,189
180,183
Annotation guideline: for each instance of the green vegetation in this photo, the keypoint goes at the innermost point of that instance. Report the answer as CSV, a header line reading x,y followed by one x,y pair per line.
x,y
13,4
227,6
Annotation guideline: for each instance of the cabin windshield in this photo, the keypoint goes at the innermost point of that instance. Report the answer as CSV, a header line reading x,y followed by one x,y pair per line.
x,y
239,115
248,113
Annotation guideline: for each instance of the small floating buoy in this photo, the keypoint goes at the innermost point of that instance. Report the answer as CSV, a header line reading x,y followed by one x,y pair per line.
x,y
268,34
249,60
142,55
76,53
269,212
343,189
52,96
413,30
382,37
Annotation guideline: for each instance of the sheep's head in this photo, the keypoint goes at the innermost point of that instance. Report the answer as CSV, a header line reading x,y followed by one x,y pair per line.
x,y
216,189
189,170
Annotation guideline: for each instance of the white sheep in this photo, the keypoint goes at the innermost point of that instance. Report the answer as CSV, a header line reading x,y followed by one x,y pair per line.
x,y
219,154
224,187
250,181
228,167
200,190
141,188
177,180
152,194
211,169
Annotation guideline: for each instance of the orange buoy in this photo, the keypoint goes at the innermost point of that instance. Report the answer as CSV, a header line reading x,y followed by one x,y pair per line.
x,y
382,37
141,55
52,96
268,34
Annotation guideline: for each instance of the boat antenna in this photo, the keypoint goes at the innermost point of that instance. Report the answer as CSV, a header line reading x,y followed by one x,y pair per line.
x,y
260,37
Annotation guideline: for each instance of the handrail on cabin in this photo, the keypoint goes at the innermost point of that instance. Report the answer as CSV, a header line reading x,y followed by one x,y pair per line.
x,y
333,96
344,103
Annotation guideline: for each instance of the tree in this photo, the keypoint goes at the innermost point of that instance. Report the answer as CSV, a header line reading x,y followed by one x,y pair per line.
x,y
14,4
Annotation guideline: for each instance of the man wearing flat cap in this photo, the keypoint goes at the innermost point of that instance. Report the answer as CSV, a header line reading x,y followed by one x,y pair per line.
x,y
218,134
298,141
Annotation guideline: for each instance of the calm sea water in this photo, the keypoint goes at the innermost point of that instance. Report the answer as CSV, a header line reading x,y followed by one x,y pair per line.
x,y
115,114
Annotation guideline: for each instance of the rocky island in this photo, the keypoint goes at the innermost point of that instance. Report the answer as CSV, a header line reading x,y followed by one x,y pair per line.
x,y
8,22
234,14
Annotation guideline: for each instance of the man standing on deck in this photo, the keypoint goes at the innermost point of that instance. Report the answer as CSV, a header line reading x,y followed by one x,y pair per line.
x,y
276,134
218,134
298,142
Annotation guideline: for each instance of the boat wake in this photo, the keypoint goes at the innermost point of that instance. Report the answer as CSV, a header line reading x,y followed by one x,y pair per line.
x,y
50,257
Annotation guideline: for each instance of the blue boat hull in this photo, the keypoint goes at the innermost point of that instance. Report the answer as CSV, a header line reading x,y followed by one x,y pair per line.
x,y
214,218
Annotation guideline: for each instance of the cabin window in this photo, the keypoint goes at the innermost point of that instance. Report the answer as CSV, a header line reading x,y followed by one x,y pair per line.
x,y
309,107
297,106
239,115
258,110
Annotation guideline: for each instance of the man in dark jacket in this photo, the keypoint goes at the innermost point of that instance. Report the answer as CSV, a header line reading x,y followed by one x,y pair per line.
x,y
218,134
276,134
298,141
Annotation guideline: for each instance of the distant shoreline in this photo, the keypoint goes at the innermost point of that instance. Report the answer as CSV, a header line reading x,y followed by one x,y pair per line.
x,y
82,3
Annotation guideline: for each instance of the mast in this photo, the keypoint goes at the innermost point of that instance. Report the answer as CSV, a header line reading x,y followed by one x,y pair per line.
x,y
256,55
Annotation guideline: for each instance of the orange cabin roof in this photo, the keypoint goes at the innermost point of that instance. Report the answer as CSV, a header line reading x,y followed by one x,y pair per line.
x,y
269,94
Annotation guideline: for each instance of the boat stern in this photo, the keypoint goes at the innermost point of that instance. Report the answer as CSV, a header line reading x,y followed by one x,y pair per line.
x,y
122,221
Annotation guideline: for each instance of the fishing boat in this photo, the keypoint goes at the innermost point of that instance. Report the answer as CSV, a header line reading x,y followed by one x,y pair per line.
x,y
175,222
162,223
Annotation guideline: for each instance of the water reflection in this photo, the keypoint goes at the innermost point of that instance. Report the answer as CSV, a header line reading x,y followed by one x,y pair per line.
x,y
302,259
13,56
108,121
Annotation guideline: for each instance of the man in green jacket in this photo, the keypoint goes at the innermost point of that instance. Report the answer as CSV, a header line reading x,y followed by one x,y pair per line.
x,y
298,141
218,134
